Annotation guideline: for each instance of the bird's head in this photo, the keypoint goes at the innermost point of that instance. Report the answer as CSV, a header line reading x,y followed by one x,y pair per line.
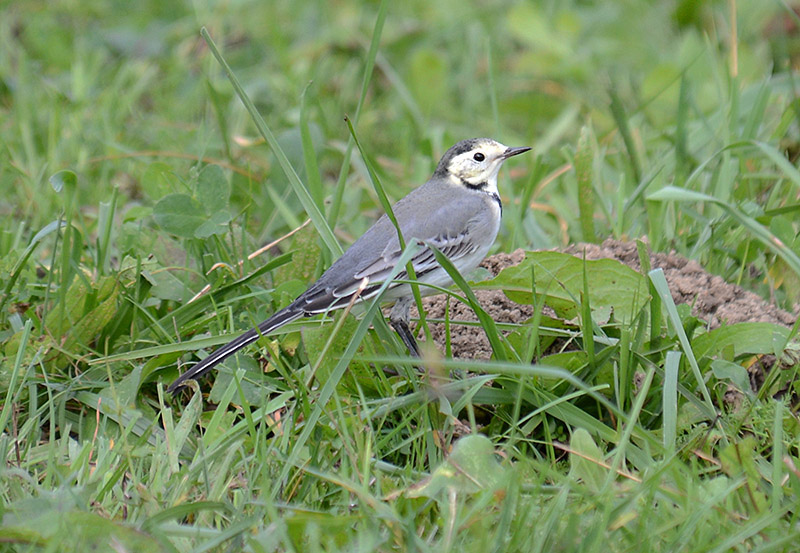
x,y
475,163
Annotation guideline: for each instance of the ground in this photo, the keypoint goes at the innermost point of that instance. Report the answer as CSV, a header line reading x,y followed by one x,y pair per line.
x,y
713,300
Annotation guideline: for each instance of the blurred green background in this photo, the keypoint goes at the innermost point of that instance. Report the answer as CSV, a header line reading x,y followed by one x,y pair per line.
x,y
106,90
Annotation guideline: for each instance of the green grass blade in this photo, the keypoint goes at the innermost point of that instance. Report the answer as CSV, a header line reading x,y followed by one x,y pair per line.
x,y
621,119
662,288
485,319
631,425
759,231
369,66
23,259
670,399
309,155
14,390
105,224
329,387
387,208
377,186
777,456
303,195
587,324
584,177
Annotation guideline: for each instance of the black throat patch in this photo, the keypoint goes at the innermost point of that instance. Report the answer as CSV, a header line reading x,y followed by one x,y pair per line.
x,y
482,186
479,186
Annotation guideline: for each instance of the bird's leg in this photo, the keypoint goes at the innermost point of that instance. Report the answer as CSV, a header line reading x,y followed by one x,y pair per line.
x,y
398,318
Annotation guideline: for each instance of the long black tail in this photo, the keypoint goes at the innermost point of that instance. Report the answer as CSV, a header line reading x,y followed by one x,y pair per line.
x,y
282,317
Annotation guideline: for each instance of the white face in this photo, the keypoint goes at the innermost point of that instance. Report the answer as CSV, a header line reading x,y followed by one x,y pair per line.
x,y
479,166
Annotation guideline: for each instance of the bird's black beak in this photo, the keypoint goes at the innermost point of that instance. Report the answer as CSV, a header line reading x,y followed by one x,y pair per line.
x,y
515,151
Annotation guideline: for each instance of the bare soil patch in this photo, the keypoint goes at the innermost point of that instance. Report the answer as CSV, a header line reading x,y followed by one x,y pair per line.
x,y
712,299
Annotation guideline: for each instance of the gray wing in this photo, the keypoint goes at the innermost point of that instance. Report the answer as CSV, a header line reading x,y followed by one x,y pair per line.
x,y
423,262
439,213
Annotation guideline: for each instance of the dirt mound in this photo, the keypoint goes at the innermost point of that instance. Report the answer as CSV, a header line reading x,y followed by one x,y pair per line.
x,y
712,299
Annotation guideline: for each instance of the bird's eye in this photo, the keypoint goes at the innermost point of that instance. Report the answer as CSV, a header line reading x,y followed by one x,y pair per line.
x,y
478,156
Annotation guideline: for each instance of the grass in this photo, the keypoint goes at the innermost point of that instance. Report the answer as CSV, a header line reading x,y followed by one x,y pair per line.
x,y
135,184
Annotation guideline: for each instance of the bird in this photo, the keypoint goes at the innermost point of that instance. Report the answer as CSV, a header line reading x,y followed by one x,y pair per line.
x,y
457,210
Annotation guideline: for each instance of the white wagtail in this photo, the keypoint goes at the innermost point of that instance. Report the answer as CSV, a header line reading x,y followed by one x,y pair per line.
x,y
458,211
